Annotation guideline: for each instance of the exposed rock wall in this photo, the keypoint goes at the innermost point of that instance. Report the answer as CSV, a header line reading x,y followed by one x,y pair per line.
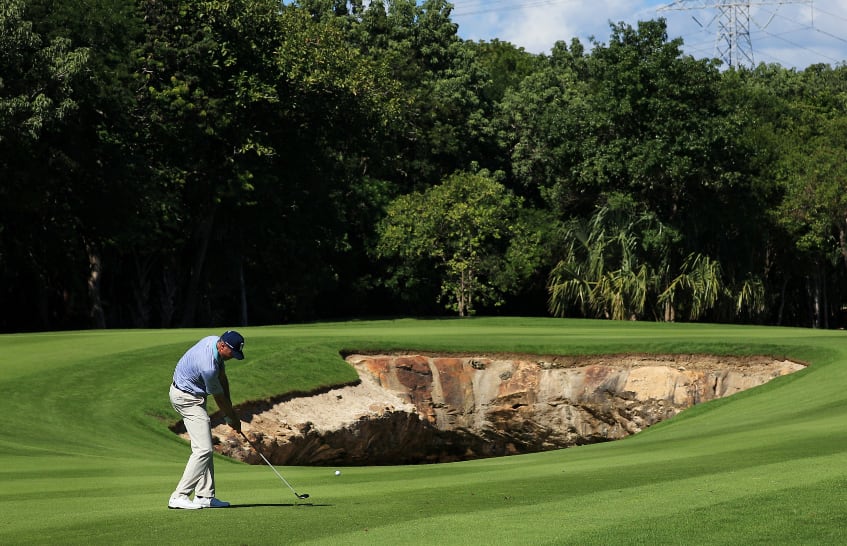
x,y
429,408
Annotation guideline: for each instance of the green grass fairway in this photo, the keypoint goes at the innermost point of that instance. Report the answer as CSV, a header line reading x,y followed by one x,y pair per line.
x,y
86,456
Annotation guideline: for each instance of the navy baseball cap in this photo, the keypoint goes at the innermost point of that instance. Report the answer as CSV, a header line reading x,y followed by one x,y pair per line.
x,y
234,341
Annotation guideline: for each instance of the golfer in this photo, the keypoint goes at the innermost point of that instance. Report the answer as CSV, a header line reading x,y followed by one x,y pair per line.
x,y
199,373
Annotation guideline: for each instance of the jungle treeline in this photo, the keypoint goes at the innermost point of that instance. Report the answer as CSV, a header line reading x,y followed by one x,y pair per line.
x,y
180,163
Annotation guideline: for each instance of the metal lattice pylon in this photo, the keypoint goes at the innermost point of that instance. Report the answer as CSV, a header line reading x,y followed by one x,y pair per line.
x,y
732,43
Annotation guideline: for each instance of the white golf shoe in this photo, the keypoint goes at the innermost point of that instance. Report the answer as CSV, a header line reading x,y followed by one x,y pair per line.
x,y
210,502
182,502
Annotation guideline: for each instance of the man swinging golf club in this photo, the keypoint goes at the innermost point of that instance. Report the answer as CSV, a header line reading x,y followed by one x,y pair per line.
x,y
199,373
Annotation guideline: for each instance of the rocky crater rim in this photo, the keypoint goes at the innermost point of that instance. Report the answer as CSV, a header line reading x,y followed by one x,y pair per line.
x,y
411,407
622,360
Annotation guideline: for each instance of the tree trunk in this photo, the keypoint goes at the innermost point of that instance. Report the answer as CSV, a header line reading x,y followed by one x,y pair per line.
x,y
42,301
202,236
243,287
814,288
461,295
824,320
468,284
670,312
98,318
168,294
842,240
141,292
782,301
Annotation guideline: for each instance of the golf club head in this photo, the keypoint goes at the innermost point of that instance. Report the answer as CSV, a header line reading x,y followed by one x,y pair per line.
x,y
302,495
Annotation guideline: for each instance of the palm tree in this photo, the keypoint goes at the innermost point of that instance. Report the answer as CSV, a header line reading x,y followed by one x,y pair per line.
x,y
607,272
601,272
699,285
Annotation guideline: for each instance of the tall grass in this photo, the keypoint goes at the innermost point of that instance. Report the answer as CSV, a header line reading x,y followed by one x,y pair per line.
x,y
86,455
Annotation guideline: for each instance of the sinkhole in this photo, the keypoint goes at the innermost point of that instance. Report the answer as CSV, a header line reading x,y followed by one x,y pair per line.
x,y
415,408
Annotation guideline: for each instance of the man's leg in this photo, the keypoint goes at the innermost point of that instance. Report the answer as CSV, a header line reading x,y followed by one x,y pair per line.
x,y
199,474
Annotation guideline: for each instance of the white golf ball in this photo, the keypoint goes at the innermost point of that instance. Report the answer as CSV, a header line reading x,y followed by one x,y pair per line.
x,y
337,472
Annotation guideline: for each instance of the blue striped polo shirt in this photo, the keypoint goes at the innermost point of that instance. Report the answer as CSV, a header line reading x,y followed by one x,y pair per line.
x,y
197,370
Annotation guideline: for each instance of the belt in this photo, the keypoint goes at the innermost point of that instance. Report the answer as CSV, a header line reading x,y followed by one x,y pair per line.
x,y
187,392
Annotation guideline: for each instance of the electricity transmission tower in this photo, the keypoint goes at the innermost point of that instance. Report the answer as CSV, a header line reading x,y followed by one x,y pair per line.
x,y
732,43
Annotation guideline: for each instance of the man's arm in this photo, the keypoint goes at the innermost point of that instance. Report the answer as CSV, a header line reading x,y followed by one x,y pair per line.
x,y
224,401
225,384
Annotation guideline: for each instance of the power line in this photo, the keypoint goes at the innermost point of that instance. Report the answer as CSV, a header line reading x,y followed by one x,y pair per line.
x,y
798,46
733,44
818,9
732,23
804,28
775,14
782,36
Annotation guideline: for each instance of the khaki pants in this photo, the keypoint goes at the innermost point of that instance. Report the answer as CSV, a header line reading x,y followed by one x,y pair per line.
x,y
199,474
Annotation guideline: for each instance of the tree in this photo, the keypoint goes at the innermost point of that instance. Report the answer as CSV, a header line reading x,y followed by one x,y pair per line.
x,y
795,137
605,271
506,65
443,123
39,99
813,173
37,78
261,123
814,205
636,117
539,126
617,267
470,229
102,169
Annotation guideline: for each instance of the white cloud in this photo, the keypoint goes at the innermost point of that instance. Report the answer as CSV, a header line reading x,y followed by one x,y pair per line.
x,y
791,34
536,25
538,29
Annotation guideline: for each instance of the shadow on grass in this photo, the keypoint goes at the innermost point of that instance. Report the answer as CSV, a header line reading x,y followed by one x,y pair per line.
x,y
278,504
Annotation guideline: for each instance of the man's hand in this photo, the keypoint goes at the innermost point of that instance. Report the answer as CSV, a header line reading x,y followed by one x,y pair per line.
x,y
234,423
230,416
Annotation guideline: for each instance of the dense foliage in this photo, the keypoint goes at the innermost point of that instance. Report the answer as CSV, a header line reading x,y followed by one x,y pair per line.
x,y
250,162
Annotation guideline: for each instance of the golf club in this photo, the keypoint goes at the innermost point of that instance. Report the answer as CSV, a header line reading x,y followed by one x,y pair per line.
x,y
257,450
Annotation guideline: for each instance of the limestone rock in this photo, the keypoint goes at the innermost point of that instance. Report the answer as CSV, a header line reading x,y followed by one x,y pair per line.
x,y
429,408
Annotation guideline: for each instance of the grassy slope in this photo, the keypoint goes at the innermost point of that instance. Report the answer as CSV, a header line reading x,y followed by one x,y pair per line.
x,y
85,455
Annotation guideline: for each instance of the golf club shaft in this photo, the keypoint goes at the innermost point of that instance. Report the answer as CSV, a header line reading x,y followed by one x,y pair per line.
x,y
262,455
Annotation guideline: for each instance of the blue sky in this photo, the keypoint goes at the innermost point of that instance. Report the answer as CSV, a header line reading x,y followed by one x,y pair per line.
x,y
793,35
